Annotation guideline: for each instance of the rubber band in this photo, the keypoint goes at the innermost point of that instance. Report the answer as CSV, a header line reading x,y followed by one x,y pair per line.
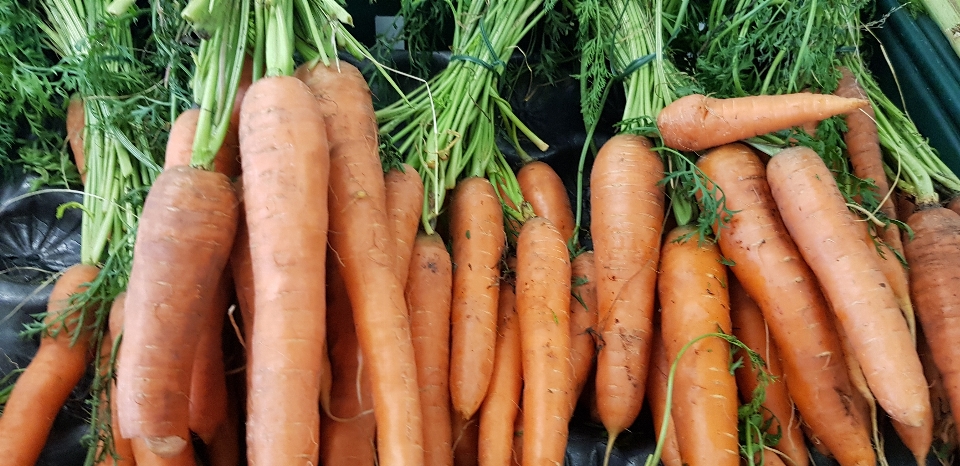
x,y
488,65
635,65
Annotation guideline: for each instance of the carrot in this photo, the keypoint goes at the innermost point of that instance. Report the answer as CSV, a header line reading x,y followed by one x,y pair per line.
x,y
466,440
772,272
179,149
76,120
627,211
500,408
121,446
583,320
366,262
830,241
404,206
954,204
143,456
543,307
284,153
934,258
544,190
692,291
46,383
863,149
750,328
208,381
348,429
697,122
185,235
657,398
241,270
944,428
428,300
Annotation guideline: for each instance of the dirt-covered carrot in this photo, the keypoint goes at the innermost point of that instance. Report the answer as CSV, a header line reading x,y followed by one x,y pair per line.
x,y
543,307
750,328
542,187
583,319
627,212
697,122
285,174
52,374
772,271
75,123
208,381
692,288
830,241
500,407
478,239
428,292
357,203
404,206
657,398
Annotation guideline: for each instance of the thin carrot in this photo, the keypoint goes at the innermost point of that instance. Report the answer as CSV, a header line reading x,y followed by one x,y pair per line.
x,y
542,187
46,383
750,328
830,241
477,237
284,153
692,288
121,446
404,206
697,122
863,149
366,261
771,270
499,410
428,293
627,211
583,319
208,381
543,306
657,398
934,257
76,120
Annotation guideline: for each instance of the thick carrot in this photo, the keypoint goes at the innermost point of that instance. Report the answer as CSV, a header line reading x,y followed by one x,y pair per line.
x,y
366,262
348,430
627,211
543,306
179,149
404,205
830,241
544,190
429,291
143,456
284,153
208,381
934,258
697,122
657,398
76,121
185,235
771,270
863,149
583,320
692,289
46,383
499,410
750,328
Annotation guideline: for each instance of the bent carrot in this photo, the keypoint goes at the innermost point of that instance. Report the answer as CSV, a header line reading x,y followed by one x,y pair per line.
x,y
627,211
285,158
46,383
404,205
657,379
428,293
542,187
543,307
693,294
357,203
583,320
76,121
500,408
750,328
772,271
697,122
478,239
208,381
830,241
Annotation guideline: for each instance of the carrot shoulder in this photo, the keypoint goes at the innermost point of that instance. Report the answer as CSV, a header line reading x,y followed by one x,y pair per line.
x,y
542,187
697,122
831,242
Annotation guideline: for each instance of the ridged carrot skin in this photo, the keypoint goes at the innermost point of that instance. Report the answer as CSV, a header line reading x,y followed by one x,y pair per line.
x,y
831,241
627,212
772,271
692,288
